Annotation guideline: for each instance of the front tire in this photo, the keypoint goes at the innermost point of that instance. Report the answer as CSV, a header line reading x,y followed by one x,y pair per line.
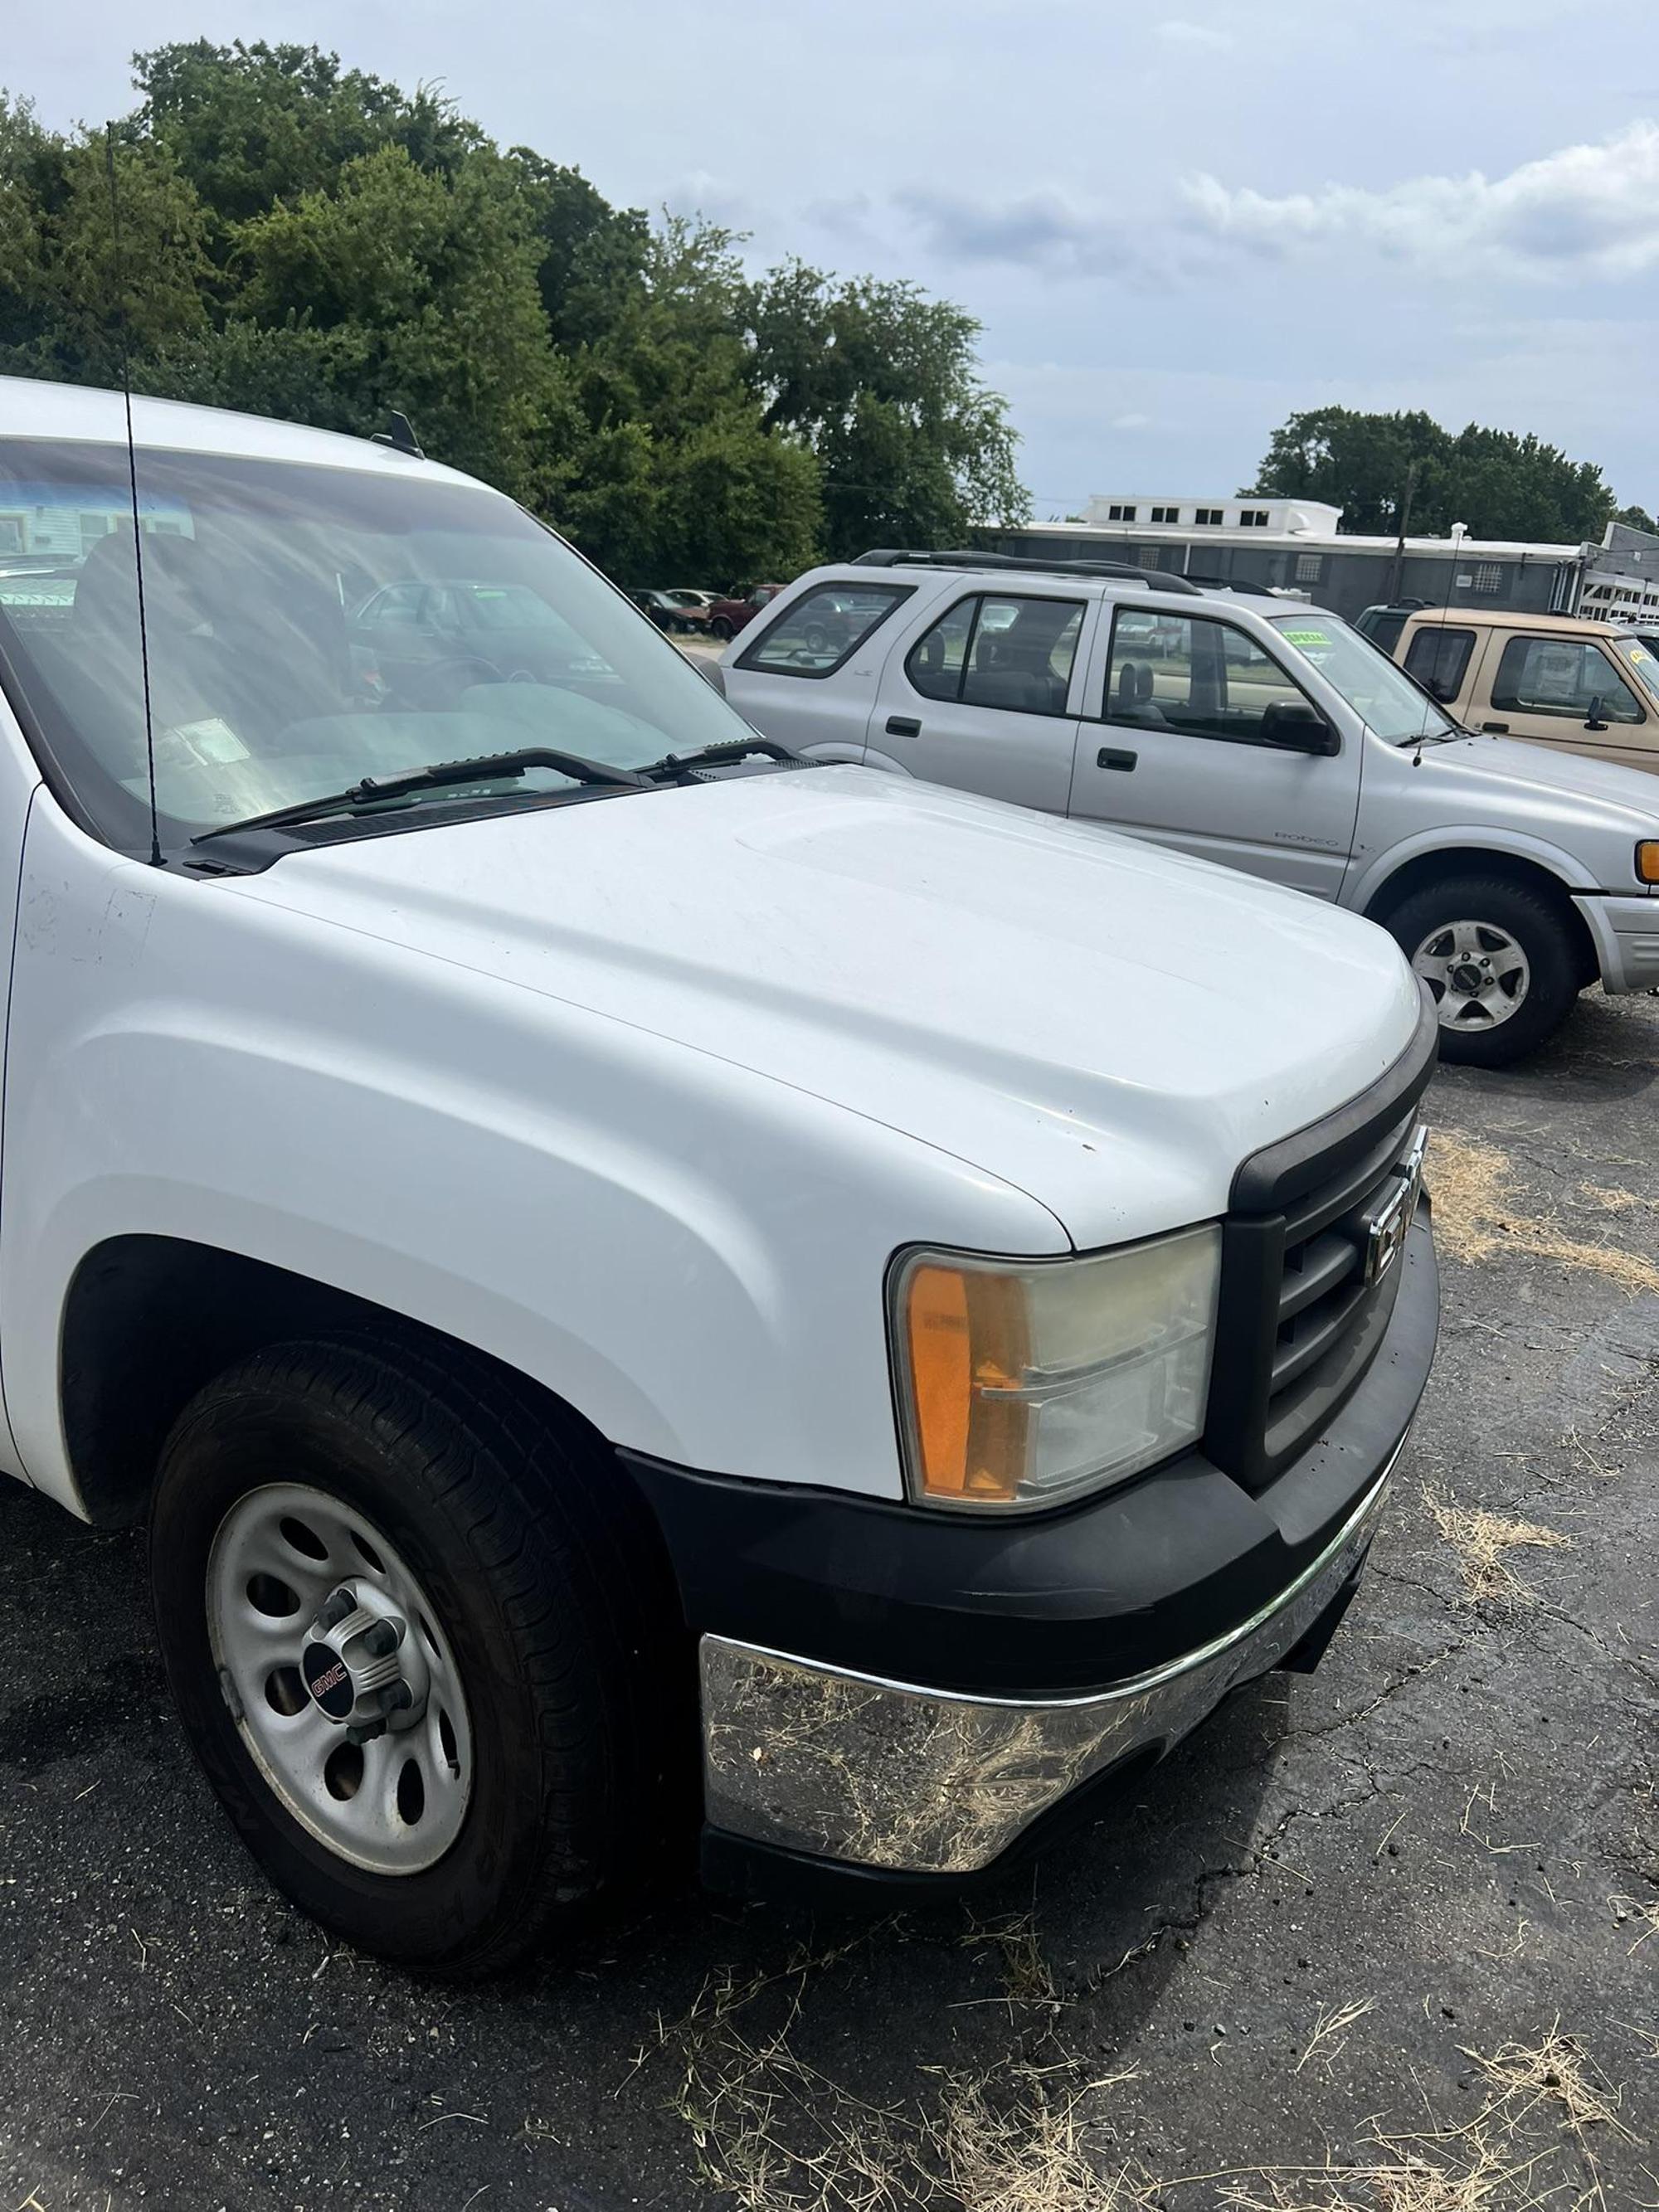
x,y
1499,959
721,628
538,1764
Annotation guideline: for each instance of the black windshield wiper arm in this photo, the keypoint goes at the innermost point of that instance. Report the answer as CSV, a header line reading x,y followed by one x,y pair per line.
x,y
486,768
733,749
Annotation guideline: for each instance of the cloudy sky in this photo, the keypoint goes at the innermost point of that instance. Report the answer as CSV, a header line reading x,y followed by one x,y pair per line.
x,y
1176,222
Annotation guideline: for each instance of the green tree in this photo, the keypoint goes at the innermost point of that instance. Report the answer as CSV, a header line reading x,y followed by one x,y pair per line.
x,y
1501,484
1637,518
883,383
426,283
313,242
248,125
1360,463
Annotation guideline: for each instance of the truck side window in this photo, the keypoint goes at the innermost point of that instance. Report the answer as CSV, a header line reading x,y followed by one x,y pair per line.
x,y
1439,659
1203,679
1556,676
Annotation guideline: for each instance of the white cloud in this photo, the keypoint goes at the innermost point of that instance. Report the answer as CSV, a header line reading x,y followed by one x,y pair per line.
x,y
1131,422
1585,210
1175,31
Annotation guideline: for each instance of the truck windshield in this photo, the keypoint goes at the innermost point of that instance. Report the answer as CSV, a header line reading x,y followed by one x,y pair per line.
x,y
1390,703
308,627
1637,653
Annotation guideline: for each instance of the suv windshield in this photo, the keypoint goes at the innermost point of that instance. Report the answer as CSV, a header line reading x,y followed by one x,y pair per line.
x,y
1373,686
309,627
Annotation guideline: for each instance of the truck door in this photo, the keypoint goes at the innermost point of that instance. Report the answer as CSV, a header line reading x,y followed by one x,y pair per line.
x,y
1171,749
1566,692
984,698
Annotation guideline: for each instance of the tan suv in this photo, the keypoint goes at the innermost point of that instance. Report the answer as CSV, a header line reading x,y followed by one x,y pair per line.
x,y
1583,687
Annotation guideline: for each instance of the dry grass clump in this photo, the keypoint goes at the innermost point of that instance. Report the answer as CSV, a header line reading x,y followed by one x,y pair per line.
x,y
1495,2162
780,2135
1470,2174
1482,1540
1027,1979
1475,1216
1560,2073
1028,2158
1615,1200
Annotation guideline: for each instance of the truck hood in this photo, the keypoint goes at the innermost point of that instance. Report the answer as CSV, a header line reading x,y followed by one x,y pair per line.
x,y
1108,1027
1502,773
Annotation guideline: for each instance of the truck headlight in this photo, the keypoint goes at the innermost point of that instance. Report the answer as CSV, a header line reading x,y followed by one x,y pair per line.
x,y
1021,1384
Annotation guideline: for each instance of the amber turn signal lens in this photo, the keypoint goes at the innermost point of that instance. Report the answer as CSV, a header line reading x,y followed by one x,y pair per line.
x,y
965,1334
1647,861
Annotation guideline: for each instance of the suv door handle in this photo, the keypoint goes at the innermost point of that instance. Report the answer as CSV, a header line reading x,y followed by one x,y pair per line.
x,y
1494,729
1114,756
903,726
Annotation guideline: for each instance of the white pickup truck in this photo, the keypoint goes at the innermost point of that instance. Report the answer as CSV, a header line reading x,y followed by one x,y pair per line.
x,y
635,1281
1272,737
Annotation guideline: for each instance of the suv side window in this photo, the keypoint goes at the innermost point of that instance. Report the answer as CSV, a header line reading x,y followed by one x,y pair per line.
x,y
1015,652
1439,659
1556,676
1188,673
824,628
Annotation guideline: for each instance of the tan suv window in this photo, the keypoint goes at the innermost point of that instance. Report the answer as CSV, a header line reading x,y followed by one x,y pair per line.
x,y
1439,659
1556,676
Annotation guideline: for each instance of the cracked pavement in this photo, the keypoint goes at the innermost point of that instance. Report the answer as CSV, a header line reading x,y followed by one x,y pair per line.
x,y
1450,1833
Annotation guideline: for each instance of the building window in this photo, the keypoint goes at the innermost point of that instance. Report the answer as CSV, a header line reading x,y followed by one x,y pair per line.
x,y
1120,515
1147,556
1489,576
1166,514
1253,518
1310,567
1206,515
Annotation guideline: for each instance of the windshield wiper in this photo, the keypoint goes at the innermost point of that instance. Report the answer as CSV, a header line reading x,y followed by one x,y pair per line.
x,y
488,767
719,756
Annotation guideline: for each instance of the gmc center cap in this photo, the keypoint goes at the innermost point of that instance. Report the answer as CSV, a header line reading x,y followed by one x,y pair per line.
x,y
328,1679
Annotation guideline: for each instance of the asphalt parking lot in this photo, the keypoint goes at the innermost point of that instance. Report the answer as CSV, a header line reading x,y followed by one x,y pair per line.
x,y
1386,1937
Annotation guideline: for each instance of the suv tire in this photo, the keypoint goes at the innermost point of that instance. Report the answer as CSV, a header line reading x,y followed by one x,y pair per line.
x,y
721,628
1499,957
532,1583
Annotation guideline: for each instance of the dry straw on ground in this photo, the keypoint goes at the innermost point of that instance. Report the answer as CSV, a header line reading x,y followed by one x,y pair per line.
x,y
1483,1540
1476,1216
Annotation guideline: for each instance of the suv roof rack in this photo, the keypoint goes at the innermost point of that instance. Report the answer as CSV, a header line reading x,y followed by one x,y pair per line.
x,y
898,556
1247,591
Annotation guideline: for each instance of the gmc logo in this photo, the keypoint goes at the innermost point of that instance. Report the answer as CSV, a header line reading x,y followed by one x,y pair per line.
x,y
329,1680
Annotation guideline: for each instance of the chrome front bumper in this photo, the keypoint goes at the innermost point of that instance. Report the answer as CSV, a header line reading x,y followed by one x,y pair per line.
x,y
890,1775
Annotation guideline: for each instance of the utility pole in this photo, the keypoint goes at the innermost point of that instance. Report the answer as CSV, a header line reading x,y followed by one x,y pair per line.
x,y
1397,575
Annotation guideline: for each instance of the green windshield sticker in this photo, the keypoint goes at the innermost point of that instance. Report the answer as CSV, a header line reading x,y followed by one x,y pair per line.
x,y
1306,637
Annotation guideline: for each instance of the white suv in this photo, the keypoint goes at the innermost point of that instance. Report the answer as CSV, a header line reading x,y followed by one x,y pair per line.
x,y
1269,736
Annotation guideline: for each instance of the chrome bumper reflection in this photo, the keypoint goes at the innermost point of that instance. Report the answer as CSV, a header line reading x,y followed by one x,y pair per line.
x,y
887,1774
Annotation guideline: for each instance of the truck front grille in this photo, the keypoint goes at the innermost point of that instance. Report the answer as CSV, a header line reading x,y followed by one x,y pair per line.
x,y
1300,1317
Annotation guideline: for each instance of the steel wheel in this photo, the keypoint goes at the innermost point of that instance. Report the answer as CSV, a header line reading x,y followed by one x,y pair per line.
x,y
1478,973
339,1677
